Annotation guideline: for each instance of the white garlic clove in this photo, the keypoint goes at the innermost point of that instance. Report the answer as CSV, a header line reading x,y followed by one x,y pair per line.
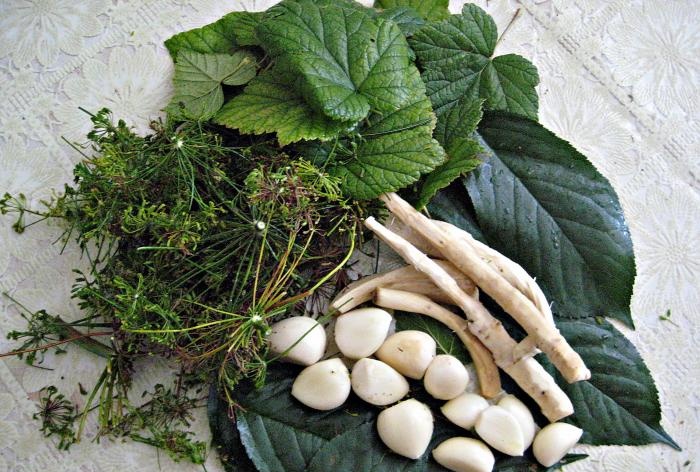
x,y
464,409
500,430
308,332
377,383
410,352
446,377
464,455
521,413
406,428
323,386
554,441
359,333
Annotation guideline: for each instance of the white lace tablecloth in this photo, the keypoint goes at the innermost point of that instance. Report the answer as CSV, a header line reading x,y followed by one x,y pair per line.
x,y
619,79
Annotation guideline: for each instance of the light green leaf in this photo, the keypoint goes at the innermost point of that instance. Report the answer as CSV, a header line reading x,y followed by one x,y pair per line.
x,y
431,10
271,104
393,151
233,30
349,62
198,78
462,158
543,204
456,57
407,19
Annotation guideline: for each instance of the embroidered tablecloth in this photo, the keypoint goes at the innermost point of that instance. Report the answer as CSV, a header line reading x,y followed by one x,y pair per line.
x,y
619,79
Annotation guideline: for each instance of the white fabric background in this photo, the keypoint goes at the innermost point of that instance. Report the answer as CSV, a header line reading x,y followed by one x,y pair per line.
x,y
620,80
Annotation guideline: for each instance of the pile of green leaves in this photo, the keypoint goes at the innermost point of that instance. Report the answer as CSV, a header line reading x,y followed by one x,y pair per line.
x,y
284,127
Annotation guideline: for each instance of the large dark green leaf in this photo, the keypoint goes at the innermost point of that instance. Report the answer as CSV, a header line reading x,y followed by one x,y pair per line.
x,y
619,404
281,435
456,57
407,19
225,437
350,62
543,204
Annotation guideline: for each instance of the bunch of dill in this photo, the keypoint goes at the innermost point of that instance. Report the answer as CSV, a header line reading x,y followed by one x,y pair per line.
x,y
197,240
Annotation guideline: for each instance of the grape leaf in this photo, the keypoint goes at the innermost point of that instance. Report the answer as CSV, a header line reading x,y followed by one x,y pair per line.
x,y
271,104
222,36
462,158
281,435
447,341
542,203
455,55
349,62
394,150
619,404
431,10
198,78
407,19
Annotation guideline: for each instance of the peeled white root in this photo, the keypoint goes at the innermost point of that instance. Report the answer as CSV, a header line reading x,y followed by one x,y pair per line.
x,y
465,409
446,377
522,414
406,428
554,441
500,430
323,386
377,383
464,455
359,333
410,352
305,334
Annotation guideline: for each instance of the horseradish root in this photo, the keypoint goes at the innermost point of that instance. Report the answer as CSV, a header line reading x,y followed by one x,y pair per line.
x,y
521,308
405,278
486,369
527,373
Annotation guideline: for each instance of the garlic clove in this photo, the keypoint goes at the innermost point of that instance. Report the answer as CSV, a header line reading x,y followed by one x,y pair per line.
x,y
406,428
377,383
446,377
359,333
464,455
310,334
521,413
464,409
500,430
409,352
554,441
323,386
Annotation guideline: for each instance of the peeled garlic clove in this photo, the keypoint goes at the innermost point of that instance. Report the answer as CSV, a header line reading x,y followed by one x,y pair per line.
x,y
521,413
287,332
465,409
554,441
377,383
464,455
446,377
406,428
500,430
323,386
359,333
410,352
